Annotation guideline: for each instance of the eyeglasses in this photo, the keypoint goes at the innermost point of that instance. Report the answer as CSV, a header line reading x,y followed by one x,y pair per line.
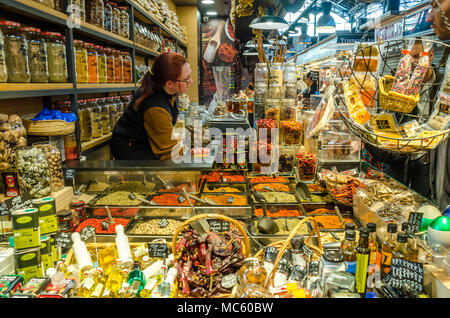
x,y
185,80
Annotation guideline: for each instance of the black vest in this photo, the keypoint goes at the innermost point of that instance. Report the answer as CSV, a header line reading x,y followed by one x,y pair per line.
x,y
129,130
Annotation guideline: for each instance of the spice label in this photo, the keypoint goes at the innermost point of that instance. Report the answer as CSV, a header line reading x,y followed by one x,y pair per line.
x,y
307,251
163,223
219,226
64,240
414,222
157,250
404,271
87,232
20,202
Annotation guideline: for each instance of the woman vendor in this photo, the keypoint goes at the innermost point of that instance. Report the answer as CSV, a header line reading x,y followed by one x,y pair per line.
x,y
144,131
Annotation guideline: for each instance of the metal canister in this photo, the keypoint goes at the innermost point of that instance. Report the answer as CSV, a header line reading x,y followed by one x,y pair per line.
x,y
65,221
48,222
25,224
79,207
46,253
28,263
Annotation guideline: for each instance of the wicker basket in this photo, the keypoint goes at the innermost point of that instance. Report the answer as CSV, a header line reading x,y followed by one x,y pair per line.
x,y
392,100
283,245
245,241
54,127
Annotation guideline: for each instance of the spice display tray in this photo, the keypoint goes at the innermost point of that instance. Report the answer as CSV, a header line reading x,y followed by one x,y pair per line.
x,y
254,231
239,185
106,217
344,215
137,219
308,207
273,207
219,194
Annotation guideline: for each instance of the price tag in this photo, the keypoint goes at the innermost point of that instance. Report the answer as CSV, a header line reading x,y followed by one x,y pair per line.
x,y
157,250
69,176
181,199
414,220
219,226
308,252
163,223
87,232
64,240
230,200
404,271
20,202
105,225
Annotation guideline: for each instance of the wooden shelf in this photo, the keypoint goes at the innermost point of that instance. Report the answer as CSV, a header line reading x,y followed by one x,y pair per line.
x,y
99,33
103,88
34,86
93,86
95,142
32,8
141,48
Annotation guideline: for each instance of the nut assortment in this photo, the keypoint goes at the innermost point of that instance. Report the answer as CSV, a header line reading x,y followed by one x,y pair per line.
x,y
34,172
153,227
12,137
53,156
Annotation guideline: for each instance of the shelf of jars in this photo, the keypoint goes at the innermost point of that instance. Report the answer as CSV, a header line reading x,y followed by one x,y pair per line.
x,y
33,8
14,90
104,88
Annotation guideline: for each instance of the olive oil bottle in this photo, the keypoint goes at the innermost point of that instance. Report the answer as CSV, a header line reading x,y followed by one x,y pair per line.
x,y
115,279
387,247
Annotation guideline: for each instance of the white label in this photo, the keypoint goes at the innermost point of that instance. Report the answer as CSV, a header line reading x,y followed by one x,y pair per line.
x,y
88,283
97,291
279,279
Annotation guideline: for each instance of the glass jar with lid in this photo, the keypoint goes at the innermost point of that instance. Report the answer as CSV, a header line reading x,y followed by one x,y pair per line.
x,y
97,125
124,22
85,120
102,72
92,63
272,110
261,73
127,74
289,91
112,113
108,16
95,10
252,272
290,73
276,73
115,21
81,61
288,110
286,160
118,67
82,5
120,104
330,262
37,55
291,133
56,52
274,91
3,70
110,72
64,106
16,52
105,115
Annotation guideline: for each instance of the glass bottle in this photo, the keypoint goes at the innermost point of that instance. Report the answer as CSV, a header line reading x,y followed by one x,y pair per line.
x,y
261,73
401,250
16,52
95,13
56,52
373,246
110,72
348,250
37,55
387,247
108,16
115,21
115,278
413,252
92,63
81,62
3,70
298,257
102,76
281,274
118,67
136,279
97,126
85,121
127,65
124,22
89,282
105,115
362,260
112,113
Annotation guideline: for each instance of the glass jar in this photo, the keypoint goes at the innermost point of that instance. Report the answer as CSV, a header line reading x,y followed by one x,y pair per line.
x,y
261,73
288,110
274,91
123,102
70,147
286,160
110,72
115,21
82,5
127,75
102,72
47,3
85,120
3,70
92,63
97,125
124,22
37,55
311,144
252,272
54,159
95,10
108,16
56,52
34,172
307,165
276,73
81,62
105,115
63,106
330,262
112,113
272,110
16,52
289,91
291,132
290,73
118,67
260,97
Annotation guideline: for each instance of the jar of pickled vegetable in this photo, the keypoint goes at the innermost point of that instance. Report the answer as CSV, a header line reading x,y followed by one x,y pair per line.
x,y
95,13
119,104
110,72
37,55
97,125
56,52
288,110
127,75
16,52
112,113
102,76
108,16
105,115
81,61
3,71
92,63
124,22
118,66
116,19
85,121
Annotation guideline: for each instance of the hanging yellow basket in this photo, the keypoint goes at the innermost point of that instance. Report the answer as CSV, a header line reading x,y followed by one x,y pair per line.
x,y
392,100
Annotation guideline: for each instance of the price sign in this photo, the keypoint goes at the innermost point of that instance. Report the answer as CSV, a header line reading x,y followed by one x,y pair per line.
x,y
157,250
219,226
314,75
87,232
69,176
230,200
64,240
163,223
404,271
414,220
20,202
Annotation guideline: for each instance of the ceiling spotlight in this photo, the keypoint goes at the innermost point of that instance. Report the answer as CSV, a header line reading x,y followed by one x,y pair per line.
x,y
207,1
269,22
326,21
211,12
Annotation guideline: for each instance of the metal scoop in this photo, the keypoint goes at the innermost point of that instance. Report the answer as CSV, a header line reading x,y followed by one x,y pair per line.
x,y
131,196
165,183
265,225
301,189
204,201
111,219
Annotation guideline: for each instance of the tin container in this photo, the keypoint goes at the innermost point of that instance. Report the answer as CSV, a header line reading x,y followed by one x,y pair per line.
x,y
48,222
54,251
9,285
25,223
46,253
28,263
79,207
65,221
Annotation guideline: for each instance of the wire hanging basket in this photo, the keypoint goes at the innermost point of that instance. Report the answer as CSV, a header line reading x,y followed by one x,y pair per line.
x,y
384,100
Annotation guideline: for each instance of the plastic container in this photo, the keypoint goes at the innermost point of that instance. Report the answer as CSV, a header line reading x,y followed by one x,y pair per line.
x,y
291,132
272,110
54,159
96,13
56,52
108,16
276,74
37,55
116,20
15,55
124,22
330,262
261,74
123,247
307,165
112,113
105,116
81,62
82,255
286,160
289,91
274,91
290,73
